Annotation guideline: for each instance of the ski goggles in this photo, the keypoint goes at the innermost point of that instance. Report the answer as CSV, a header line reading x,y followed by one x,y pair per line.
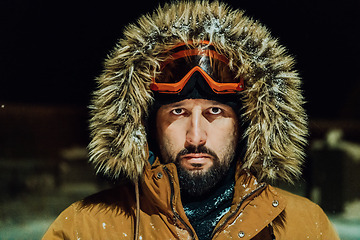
x,y
184,62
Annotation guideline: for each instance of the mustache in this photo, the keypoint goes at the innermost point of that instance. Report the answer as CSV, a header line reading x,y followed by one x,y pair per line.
x,y
196,149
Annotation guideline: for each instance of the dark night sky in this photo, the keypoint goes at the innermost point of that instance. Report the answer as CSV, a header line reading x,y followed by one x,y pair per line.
x,y
51,51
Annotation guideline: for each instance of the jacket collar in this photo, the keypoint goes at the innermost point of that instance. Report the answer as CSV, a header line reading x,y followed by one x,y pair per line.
x,y
254,204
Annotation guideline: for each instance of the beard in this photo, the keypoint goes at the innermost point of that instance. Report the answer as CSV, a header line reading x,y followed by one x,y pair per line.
x,y
198,183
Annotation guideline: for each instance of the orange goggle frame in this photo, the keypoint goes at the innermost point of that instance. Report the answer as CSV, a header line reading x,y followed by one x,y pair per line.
x,y
181,65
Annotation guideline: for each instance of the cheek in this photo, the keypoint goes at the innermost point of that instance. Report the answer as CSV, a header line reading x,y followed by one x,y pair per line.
x,y
225,138
169,143
225,129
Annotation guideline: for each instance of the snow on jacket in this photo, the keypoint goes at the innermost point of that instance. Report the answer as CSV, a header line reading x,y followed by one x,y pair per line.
x,y
258,211
147,205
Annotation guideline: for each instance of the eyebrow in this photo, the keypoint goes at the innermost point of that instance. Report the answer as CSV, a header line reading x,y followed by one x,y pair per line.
x,y
174,105
179,104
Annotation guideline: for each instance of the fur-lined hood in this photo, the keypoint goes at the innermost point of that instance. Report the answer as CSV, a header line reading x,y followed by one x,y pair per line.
x,y
276,123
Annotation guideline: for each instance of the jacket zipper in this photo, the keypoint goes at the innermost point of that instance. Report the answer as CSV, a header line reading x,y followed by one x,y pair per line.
x,y
237,209
176,215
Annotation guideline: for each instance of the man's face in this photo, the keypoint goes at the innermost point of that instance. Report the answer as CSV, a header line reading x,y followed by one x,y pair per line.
x,y
200,137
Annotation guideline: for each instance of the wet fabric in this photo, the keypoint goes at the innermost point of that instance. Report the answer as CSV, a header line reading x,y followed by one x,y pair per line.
x,y
205,213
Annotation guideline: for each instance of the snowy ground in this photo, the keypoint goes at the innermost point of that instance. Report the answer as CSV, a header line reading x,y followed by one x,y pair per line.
x,y
28,216
347,229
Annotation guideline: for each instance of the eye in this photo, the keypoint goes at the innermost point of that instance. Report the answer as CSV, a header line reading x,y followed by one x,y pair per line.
x,y
215,110
178,111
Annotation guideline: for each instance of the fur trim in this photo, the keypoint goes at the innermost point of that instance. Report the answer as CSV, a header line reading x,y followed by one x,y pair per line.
x,y
277,124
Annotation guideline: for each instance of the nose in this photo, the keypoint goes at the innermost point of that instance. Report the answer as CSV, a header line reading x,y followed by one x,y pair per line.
x,y
196,134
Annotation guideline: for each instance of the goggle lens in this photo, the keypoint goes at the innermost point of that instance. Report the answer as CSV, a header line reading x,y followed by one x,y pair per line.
x,y
177,70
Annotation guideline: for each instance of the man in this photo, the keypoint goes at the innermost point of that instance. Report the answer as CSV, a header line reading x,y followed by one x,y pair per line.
x,y
222,109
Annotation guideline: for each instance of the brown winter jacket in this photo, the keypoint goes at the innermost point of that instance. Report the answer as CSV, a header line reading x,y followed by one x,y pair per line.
x,y
257,211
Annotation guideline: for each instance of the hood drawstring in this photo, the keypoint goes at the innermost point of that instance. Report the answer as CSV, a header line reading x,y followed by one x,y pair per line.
x,y
137,214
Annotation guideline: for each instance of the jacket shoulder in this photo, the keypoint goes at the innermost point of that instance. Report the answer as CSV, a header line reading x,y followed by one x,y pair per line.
x,y
120,199
304,217
295,199
89,217
299,206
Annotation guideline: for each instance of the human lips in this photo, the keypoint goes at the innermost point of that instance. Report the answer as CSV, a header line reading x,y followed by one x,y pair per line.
x,y
196,161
